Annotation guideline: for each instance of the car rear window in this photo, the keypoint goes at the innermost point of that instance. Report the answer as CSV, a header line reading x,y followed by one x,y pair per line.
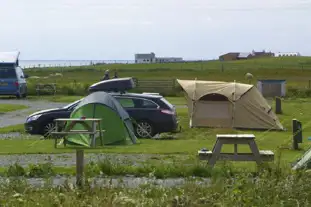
x,y
7,73
149,104
171,106
126,102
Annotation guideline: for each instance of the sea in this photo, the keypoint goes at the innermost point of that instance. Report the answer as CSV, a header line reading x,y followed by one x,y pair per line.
x,y
66,63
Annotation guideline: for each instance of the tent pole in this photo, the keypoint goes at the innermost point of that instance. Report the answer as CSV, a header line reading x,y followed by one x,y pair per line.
x,y
193,103
233,110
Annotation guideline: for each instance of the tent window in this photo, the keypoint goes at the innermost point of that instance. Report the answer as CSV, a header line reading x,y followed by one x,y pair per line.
x,y
214,97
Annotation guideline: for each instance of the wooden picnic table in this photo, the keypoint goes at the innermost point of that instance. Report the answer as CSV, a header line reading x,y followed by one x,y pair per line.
x,y
236,139
90,130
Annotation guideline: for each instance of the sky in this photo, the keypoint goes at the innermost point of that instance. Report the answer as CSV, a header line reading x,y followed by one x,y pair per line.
x,y
116,30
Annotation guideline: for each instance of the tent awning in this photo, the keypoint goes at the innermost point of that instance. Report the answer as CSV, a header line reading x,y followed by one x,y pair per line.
x,y
196,89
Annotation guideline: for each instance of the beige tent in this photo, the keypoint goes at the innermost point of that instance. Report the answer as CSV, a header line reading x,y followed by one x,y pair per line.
x,y
228,105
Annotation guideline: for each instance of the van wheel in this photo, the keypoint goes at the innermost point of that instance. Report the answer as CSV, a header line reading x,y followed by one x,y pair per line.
x,y
144,129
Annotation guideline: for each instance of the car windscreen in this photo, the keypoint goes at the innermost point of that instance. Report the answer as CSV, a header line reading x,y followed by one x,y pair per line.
x,y
7,73
167,103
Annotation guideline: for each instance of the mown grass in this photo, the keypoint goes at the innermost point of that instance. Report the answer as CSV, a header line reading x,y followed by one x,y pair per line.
x,y
191,140
13,128
4,108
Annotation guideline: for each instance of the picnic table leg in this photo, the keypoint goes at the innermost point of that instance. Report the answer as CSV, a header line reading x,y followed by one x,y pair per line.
x,y
93,136
255,151
100,134
79,167
56,130
216,153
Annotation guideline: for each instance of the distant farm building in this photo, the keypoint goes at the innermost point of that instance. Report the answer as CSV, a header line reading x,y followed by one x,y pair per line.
x,y
168,59
242,55
287,54
272,88
234,56
261,54
151,58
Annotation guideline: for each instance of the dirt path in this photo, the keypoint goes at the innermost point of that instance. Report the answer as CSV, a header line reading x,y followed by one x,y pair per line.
x,y
69,159
19,117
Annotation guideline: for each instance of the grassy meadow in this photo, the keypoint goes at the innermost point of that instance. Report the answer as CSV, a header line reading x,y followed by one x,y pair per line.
x,y
76,80
275,184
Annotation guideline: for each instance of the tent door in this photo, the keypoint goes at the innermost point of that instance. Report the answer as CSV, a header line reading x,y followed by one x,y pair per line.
x,y
213,114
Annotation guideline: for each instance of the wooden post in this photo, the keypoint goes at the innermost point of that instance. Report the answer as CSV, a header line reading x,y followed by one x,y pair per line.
x,y
295,141
79,167
235,149
278,105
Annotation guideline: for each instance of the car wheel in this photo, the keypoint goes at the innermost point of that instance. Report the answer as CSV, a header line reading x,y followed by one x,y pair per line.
x,y
144,129
48,128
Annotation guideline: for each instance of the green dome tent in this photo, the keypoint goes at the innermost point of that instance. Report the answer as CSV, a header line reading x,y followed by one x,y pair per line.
x,y
115,120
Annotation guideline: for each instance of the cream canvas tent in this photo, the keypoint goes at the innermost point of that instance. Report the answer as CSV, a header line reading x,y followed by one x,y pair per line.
x,y
228,105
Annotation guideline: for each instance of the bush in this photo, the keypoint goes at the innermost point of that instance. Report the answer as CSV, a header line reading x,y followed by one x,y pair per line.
x,y
15,170
298,92
40,170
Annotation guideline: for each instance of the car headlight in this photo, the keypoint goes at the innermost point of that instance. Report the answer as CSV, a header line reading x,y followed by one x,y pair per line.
x,y
33,118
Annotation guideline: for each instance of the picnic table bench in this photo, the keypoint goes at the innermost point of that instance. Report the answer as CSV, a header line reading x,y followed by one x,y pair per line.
x,y
49,88
236,139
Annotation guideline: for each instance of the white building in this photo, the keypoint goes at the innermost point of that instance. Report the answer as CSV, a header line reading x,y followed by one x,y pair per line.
x,y
168,59
145,58
151,58
284,54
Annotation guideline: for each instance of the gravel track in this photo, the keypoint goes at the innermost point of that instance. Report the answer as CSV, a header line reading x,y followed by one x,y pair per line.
x,y
69,159
114,182
19,117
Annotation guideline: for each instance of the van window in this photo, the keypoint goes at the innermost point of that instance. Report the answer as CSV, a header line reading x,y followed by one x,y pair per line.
x,y
7,73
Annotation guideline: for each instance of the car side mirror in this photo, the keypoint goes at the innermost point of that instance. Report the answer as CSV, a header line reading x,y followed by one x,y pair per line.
x,y
26,76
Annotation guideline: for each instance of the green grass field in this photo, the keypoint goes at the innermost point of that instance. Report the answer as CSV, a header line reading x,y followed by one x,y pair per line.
x,y
189,140
277,186
4,108
76,80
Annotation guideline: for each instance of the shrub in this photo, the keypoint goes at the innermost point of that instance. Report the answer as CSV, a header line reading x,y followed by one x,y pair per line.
x,y
15,170
40,170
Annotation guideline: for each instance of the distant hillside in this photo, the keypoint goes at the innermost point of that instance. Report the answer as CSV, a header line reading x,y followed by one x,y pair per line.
x,y
253,64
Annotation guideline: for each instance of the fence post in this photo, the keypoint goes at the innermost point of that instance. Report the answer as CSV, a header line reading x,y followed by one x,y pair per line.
x,y
79,167
297,133
278,105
